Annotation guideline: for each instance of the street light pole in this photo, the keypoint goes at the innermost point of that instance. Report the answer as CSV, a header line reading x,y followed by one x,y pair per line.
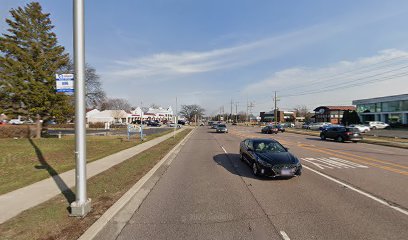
x,y
82,204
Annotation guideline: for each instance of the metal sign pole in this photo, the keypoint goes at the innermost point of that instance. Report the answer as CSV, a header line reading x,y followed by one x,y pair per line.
x,y
82,205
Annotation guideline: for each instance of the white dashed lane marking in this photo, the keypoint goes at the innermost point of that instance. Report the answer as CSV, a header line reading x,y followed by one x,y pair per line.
x,y
332,162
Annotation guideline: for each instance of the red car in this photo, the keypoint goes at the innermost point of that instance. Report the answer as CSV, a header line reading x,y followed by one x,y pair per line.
x,y
270,129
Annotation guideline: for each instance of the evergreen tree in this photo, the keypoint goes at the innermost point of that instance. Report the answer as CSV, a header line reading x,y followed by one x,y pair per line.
x,y
30,57
346,118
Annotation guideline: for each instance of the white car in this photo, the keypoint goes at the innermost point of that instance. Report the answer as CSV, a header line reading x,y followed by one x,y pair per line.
x,y
15,122
362,128
378,125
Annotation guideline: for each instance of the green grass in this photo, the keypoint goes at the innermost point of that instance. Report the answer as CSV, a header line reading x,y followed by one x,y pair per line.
x,y
50,220
25,161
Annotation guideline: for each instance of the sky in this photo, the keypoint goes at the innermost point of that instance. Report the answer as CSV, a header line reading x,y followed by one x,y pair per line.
x,y
214,53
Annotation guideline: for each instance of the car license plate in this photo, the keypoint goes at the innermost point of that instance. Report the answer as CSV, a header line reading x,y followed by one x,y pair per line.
x,y
286,172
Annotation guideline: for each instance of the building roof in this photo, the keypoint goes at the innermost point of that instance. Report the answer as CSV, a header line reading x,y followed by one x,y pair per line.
x,y
381,99
336,108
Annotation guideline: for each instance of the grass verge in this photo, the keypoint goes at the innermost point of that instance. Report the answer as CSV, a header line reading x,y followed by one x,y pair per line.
x,y
50,219
26,161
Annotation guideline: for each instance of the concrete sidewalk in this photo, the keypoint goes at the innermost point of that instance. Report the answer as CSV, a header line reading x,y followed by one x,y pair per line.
x,y
13,203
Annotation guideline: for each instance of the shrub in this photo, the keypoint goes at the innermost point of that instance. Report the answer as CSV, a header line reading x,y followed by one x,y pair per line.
x,y
19,131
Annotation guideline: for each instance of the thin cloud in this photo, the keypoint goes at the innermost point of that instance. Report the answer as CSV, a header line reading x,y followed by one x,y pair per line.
x,y
176,64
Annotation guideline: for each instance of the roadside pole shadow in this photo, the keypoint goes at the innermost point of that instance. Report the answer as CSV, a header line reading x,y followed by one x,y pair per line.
x,y
65,190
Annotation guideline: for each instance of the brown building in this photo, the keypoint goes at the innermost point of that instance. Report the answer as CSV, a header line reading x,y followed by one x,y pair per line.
x,y
332,114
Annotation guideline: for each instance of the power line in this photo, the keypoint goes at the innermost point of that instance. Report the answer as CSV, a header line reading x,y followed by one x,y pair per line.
x,y
337,76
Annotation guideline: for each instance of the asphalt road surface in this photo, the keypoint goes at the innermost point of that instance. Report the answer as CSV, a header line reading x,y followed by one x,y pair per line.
x,y
346,191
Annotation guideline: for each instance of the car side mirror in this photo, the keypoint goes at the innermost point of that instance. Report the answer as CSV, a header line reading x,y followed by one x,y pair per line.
x,y
287,149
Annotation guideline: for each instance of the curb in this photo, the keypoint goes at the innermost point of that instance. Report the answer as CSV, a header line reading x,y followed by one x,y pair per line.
x,y
98,226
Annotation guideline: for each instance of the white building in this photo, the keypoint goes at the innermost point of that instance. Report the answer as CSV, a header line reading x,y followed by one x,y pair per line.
x,y
106,116
121,116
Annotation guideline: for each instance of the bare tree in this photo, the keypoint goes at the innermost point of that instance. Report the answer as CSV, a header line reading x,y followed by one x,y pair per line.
x,y
302,111
153,105
94,93
116,104
191,111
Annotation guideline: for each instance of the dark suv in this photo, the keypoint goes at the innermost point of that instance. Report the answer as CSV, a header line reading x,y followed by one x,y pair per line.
x,y
341,134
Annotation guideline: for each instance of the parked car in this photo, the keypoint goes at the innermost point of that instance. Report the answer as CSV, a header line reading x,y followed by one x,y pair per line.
x,y
318,126
171,124
378,125
222,128
269,129
15,122
268,157
361,127
154,124
341,134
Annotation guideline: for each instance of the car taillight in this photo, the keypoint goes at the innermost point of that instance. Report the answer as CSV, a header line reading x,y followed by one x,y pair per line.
x,y
349,133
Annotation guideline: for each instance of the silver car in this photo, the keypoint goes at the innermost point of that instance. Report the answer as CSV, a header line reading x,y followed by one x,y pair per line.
x,y
222,128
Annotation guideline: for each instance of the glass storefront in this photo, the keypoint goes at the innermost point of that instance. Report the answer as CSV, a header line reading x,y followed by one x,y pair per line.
x,y
391,106
364,108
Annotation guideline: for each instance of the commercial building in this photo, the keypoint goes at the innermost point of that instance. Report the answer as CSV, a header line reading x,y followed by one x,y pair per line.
x,y
331,114
121,116
282,116
389,109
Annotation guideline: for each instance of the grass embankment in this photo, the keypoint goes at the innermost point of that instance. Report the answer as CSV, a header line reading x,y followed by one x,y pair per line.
x,y
26,161
50,220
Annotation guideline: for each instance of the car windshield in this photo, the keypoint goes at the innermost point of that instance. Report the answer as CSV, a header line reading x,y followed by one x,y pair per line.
x,y
222,126
268,146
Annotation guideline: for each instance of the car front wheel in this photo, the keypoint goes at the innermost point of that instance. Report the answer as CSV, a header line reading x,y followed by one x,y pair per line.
x,y
340,139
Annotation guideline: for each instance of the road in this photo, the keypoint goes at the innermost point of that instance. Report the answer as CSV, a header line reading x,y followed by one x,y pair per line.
x,y
346,191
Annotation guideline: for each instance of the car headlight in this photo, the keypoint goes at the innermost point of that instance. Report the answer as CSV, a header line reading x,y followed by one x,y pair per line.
x,y
262,162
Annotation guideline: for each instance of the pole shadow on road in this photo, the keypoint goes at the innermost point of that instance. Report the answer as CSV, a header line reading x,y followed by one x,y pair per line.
x,y
65,190
232,163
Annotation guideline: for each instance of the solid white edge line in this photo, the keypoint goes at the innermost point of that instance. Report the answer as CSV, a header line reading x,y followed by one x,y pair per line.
x,y
358,191
224,150
284,235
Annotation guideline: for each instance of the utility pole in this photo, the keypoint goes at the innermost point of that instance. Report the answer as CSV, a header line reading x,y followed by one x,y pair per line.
x,y
250,106
246,118
231,109
275,99
236,112
82,204
141,121
175,122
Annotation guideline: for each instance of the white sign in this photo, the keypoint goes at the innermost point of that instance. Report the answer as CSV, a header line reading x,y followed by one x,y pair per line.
x,y
64,82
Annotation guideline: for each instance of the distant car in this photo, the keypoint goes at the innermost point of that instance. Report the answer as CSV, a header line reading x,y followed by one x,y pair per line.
x,y
361,127
280,128
378,125
341,134
171,124
268,157
154,124
15,122
222,128
269,129
201,124
318,126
